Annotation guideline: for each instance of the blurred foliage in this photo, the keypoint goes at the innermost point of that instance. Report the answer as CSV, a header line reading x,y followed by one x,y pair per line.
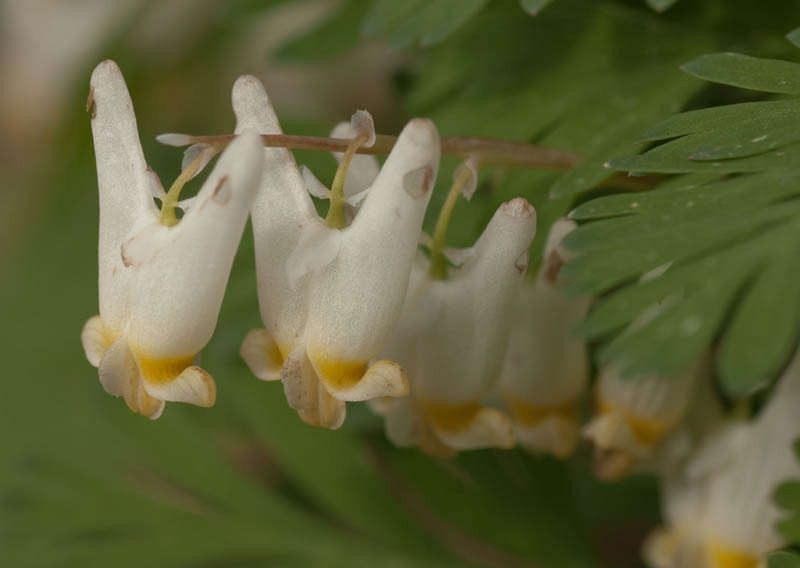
x,y
83,482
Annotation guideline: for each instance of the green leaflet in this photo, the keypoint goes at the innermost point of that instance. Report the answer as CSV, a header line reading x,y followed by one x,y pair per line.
x,y
768,75
762,334
418,22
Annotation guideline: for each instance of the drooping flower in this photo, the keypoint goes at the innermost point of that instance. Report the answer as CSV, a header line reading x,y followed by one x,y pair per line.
x,y
160,286
452,337
328,296
634,415
719,507
546,370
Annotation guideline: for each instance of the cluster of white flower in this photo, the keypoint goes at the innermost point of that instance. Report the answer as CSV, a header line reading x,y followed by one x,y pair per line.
x,y
465,357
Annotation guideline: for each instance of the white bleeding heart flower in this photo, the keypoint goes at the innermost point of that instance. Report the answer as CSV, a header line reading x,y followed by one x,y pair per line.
x,y
451,340
719,506
160,287
329,297
546,369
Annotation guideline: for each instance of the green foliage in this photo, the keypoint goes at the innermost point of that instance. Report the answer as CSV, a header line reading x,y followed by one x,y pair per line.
x,y
787,497
418,22
730,240
783,560
85,483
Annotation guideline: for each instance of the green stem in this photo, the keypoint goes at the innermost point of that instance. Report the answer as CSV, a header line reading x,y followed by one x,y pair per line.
x,y
172,197
438,268
335,217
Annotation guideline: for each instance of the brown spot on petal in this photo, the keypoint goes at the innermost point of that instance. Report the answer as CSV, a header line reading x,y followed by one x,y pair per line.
x,y
90,104
521,264
222,193
554,265
418,182
126,260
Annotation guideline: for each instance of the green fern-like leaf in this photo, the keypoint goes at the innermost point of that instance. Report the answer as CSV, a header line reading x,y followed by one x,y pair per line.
x,y
731,242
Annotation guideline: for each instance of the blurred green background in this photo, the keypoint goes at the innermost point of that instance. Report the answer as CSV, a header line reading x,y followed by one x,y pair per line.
x,y
84,482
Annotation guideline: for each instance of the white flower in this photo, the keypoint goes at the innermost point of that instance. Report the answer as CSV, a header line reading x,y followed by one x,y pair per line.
x,y
719,507
546,370
329,297
160,287
452,337
633,416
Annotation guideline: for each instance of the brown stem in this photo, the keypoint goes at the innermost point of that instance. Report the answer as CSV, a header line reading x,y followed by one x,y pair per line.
x,y
490,151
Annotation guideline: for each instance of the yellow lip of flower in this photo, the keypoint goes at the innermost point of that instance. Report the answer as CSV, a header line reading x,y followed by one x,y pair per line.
x,y
721,555
338,374
532,415
163,370
450,418
647,431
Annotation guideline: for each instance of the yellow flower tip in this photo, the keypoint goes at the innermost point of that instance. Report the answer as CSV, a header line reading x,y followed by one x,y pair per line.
x,y
549,429
263,355
531,415
723,556
451,418
612,464
338,374
164,370
647,431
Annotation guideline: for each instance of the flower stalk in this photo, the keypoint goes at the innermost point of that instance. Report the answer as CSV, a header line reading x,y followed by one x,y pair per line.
x,y
438,267
335,218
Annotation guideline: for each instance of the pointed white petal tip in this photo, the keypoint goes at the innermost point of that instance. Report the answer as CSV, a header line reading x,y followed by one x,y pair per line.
x,y
95,339
174,139
106,72
262,355
470,166
518,208
490,428
363,125
554,435
252,106
193,386
381,379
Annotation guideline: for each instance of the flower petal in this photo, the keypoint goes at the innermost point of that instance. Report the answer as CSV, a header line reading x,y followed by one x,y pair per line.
x,y
382,378
194,386
305,393
489,428
316,248
356,300
281,210
179,291
126,184
313,185
117,369
262,355
96,340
